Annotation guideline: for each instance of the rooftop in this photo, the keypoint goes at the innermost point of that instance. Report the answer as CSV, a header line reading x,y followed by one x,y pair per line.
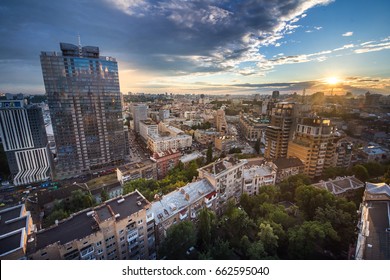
x,y
220,166
340,184
134,166
283,163
377,245
85,222
191,157
14,222
256,170
158,155
178,200
377,191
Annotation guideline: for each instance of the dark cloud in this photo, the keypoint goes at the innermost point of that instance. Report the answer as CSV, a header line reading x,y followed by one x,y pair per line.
x,y
169,37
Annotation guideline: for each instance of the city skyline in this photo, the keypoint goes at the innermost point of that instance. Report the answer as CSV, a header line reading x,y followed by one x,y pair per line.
x,y
210,47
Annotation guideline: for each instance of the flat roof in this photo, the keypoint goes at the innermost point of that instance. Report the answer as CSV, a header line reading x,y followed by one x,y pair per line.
x,y
283,163
256,170
135,166
220,166
10,242
377,246
81,225
176,201
190,157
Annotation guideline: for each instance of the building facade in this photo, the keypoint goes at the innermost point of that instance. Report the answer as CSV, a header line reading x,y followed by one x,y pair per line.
x,y
165,161
220,122
132,171
257,176
140,113
226,176
252,129
86,110
286,167
313,144
120,228
277,134
23,134
146,128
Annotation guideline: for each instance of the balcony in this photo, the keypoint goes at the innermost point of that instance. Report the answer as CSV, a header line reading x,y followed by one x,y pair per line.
x,y
183,214
132,235
149,217
210,197
86,252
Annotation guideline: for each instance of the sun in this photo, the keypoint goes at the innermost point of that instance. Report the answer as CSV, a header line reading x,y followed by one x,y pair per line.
x,y
332,80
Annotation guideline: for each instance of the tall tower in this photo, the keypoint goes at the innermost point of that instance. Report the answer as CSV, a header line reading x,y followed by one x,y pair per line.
x,y
313,144
279,131
220,121
140,113
22,130
86,109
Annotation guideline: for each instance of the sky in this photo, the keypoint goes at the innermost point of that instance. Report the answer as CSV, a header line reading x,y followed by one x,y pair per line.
x,y
209,47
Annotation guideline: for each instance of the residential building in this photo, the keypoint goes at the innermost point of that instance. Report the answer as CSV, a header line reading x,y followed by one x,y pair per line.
x,y
206,137
182,205
132,171
343,154
313,144
226,176
23,134
341,186
165,161
220,122
225,143
86,110
117,229
374,152
146,128
187,158
279,131
140,113
257,176
252,129
286,167
15,227
374,224
169,138
163,114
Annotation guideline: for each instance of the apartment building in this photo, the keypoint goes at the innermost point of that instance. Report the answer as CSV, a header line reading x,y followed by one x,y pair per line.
x,y
132,171
205,137
256,176
225,143
182,205
146,128
226,176
252,128
165,161
220,122
313,144
117,229
286,167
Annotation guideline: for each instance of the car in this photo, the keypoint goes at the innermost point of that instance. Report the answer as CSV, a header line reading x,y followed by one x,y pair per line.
x,y
190,250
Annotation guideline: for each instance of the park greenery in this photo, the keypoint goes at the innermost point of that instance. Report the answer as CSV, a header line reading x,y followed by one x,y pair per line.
x,y
290,221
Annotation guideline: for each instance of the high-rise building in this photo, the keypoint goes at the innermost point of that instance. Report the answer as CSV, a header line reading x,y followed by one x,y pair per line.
x,y
220,121
313,144
23,133
278,132
140,113
86,110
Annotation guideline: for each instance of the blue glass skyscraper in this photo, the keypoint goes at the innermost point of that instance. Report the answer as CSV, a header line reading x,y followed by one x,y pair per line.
x,y
86,110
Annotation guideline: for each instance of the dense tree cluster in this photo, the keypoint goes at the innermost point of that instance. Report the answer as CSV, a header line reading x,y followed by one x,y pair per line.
x,y
78,201
176,178
291,221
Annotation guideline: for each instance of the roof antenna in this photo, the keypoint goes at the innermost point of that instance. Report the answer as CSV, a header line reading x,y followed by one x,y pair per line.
x,y
79,41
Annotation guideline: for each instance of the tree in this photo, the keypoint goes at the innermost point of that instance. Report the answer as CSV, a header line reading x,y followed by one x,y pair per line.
x,y
374,169
309,198
256,251
257,146
179,238
288,186
206,223
360,172
58,215
221,250
104,195
209,154
333,172
307,241
268,238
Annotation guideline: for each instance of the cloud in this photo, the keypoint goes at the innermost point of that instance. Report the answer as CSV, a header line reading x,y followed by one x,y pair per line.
x,y
372,46
347,34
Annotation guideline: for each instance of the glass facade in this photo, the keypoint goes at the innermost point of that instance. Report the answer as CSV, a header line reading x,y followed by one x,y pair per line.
x,y
85,108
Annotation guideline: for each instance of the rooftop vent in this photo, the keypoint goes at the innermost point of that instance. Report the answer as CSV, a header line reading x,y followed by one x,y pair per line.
x,y
120,200
90,213
139,203
117,215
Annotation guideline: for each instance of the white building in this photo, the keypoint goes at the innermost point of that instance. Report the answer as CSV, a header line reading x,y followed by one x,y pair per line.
x,y
257,176
146,128
226,176
140,112
169,138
